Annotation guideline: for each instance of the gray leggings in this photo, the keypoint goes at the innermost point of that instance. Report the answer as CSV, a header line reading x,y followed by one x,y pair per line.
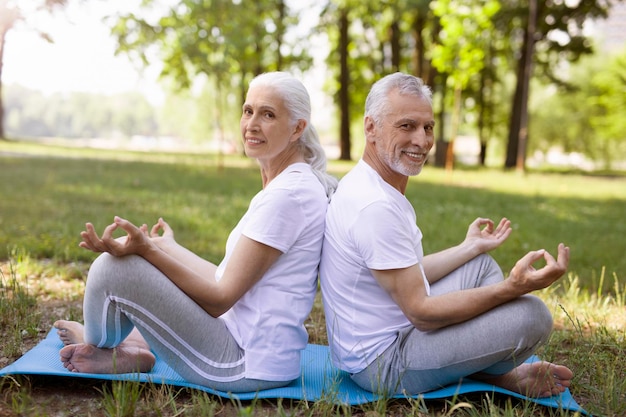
x,y
127,292
493,343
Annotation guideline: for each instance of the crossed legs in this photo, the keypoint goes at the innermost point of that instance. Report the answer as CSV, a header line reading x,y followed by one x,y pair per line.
x,y
132,355
133,314
492,347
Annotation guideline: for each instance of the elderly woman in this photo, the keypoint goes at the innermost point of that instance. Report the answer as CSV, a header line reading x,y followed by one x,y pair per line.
x,y
237,326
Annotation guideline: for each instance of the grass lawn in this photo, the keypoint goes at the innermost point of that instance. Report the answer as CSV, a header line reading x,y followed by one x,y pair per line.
x,y
47,193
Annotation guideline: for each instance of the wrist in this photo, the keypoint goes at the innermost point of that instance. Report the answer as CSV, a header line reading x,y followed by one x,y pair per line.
x,y
471,248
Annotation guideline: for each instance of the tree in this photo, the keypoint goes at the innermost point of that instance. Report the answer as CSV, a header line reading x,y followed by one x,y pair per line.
x,y
466,29
369,39
552,32
337,21
227,41
10,15
585,115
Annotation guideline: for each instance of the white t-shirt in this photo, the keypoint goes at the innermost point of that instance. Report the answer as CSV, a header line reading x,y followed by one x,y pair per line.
x,y
369,225
268,321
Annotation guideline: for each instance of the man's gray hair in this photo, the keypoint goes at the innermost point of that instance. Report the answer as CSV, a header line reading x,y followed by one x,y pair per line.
x,y
377,100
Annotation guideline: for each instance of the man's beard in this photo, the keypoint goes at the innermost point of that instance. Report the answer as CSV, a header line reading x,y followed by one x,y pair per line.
x,y
395,163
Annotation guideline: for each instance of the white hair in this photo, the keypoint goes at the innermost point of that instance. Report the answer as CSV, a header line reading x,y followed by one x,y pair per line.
x,y
377,100
298,103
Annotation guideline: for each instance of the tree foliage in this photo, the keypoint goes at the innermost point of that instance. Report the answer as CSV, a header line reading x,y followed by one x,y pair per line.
x,y
369,39
586,115
547,36
228,41
461,51
473,48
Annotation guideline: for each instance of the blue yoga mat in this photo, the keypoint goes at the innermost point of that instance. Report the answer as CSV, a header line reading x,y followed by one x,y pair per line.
x,y
320,381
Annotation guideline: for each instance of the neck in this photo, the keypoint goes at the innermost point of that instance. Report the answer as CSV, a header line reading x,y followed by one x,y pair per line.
x,y
270,169
391,177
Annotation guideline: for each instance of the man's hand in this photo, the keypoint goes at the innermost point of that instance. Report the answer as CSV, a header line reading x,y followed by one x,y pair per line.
x,y
483,237
525,278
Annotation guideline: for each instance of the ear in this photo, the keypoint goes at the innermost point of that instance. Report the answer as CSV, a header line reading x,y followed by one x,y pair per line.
x,y
369,127
298,130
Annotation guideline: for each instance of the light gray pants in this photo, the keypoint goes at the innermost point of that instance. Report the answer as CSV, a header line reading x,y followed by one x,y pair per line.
x,y
493,343
127,292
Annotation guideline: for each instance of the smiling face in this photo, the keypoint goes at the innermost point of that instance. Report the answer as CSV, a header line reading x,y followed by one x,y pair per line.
x,y
266,126
398,146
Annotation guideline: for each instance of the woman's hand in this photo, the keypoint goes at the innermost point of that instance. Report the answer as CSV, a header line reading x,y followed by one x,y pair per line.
x,y
162,234
137,240
483,237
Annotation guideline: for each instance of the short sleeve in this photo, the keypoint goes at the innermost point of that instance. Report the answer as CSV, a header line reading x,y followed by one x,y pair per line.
x,y
276,219
385,238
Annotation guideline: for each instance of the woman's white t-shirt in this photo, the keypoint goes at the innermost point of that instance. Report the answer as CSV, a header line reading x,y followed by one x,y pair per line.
x,y
268,321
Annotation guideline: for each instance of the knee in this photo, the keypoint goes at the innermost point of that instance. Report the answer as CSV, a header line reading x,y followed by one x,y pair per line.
x,y
107,269
538,322
489,270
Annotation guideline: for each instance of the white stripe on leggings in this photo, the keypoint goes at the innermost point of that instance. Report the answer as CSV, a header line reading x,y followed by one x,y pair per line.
x,y
172,348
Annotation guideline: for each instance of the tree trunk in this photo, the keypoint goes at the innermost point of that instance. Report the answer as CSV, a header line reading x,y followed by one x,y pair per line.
x,y
394,38
485,106
280,32
7,19
344,82
456,122
419,64
2,38
481,116
518,128
441,148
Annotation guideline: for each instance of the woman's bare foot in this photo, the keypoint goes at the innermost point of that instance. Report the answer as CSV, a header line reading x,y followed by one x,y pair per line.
x,y
536,379
70,332
132,355
122,359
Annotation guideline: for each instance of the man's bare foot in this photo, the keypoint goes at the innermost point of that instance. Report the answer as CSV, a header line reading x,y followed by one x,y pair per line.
x,y
70,332
122,359
536,379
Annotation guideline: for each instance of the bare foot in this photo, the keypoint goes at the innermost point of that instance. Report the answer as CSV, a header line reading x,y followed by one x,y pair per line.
x,y
70,332
132,355
536,379
122,359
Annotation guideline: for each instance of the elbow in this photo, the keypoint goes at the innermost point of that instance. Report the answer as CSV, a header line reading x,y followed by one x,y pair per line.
x,y
424,321
215,312
425,326
215,308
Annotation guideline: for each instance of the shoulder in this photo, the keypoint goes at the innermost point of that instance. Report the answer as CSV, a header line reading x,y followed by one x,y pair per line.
x,y
297,185
362,188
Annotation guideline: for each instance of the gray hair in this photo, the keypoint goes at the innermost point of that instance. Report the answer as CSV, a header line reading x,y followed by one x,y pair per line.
x,y
376,103
298,103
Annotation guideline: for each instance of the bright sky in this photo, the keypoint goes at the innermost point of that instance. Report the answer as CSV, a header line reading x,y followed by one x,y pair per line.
x,y
81,57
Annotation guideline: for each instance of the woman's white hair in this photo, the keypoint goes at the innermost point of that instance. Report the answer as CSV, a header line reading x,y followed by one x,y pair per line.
x,y
298,103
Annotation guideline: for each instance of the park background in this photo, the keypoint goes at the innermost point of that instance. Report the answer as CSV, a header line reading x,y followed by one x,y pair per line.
x,y
169,74
132,108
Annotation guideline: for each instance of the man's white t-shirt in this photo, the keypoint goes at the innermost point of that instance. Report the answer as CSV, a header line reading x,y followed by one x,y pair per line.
x,y
369,225
268,321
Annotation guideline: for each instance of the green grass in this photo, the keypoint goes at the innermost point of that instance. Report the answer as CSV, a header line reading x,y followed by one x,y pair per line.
x,y
46,201
47,193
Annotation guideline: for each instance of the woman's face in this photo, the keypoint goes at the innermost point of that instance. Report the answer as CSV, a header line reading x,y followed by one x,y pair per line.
x,y
266,125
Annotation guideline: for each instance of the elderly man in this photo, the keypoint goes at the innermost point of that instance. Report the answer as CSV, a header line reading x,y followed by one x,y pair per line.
x,y
402,322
